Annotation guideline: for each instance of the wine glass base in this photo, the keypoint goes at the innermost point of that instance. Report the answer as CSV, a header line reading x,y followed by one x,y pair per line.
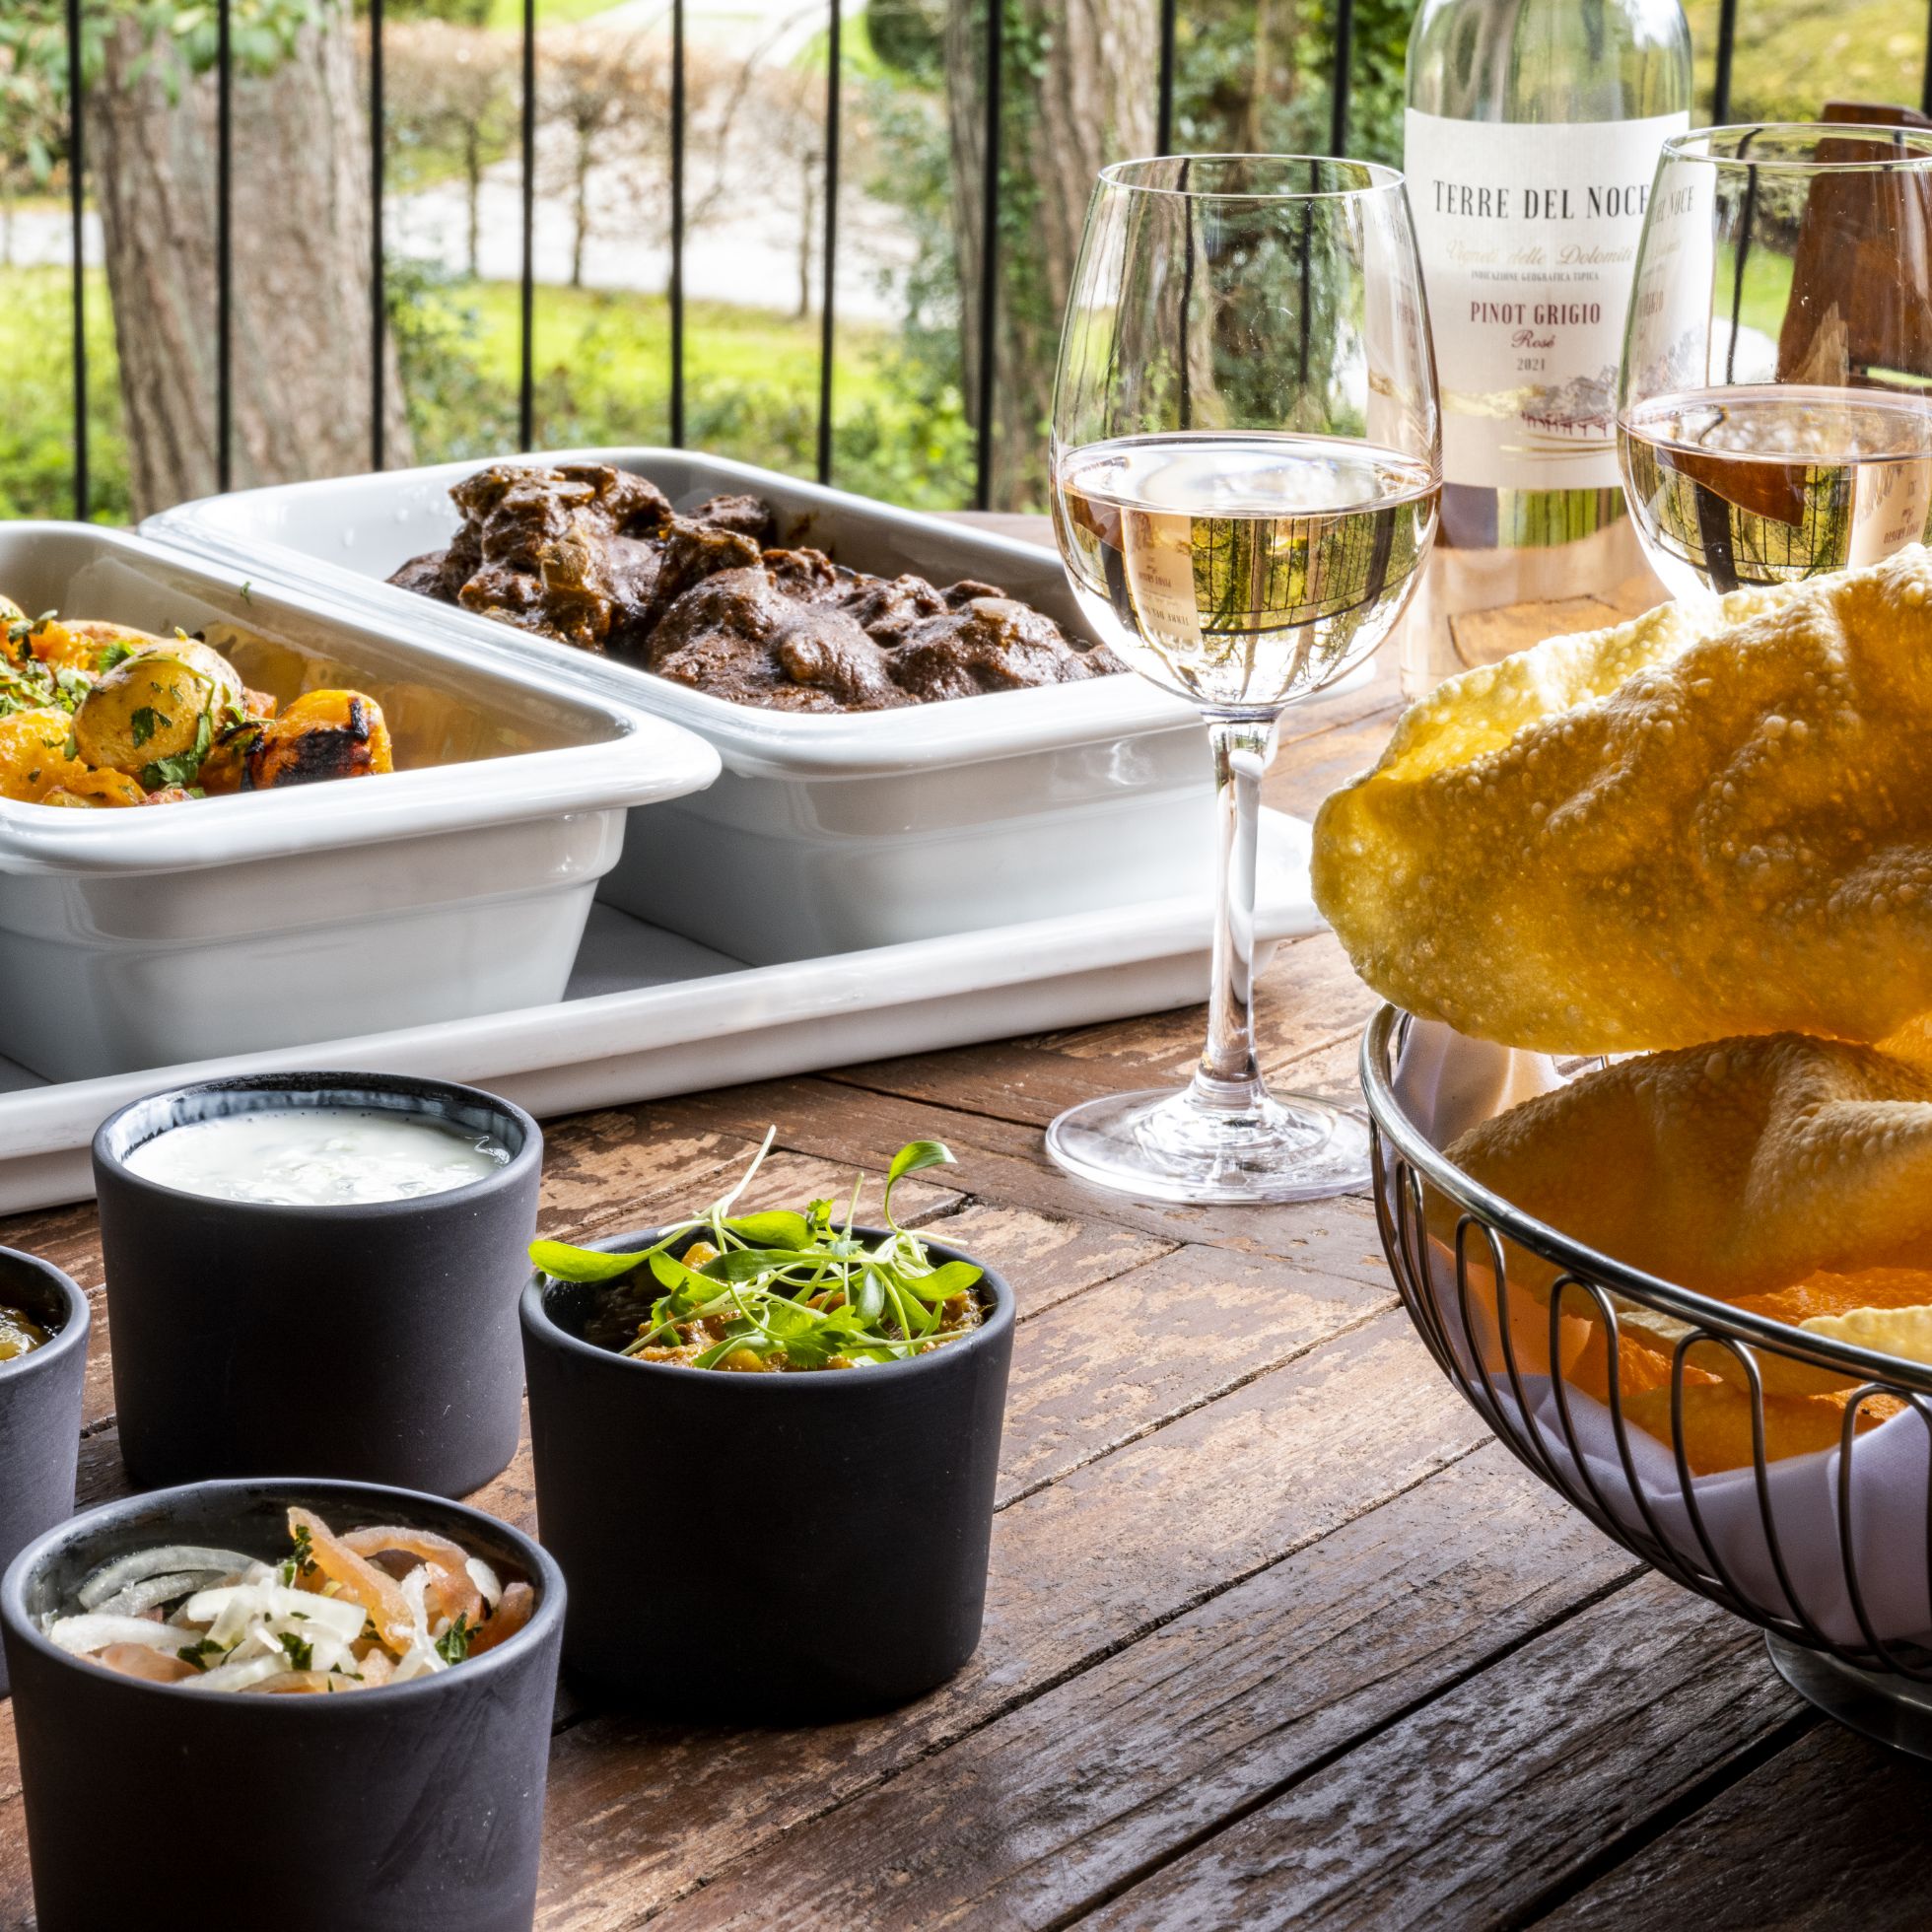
x,y
1165,1144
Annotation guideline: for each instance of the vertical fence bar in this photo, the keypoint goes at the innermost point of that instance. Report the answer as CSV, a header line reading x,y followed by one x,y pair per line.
x,y
826,329
527,277
77,212
677,224
1164,115
224,246
1925,107
1340,75
378,304
989,248
1727,48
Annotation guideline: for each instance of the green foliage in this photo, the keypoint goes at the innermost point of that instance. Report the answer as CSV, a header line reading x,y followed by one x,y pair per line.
x,y
604,376
908,37
1795,55
262,33
36,427
464,13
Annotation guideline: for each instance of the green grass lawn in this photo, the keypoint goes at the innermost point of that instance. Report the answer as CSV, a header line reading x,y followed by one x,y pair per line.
x,y
551,13
602,367
1793,55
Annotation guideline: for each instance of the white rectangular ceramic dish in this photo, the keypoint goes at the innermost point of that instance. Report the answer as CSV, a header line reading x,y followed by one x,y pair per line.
x,y
826,833
652,1014
456,885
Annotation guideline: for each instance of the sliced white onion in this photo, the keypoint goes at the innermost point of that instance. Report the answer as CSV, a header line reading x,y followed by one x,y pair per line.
x,y
414,1588
486,1580
240,1674
95,1631
418,1660
232,1607
155,1590
139,1565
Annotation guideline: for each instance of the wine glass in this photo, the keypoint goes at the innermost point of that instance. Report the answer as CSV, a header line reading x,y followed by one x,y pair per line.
x,y
1245,470
1773,415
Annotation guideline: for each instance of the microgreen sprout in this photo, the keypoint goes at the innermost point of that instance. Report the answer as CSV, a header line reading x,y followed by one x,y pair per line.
x,y
777,1289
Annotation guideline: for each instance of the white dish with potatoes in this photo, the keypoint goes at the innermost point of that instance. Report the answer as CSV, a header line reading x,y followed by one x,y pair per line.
x,y
457,883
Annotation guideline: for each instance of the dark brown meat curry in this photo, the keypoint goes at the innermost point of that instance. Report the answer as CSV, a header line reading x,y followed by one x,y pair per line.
x,y
598,558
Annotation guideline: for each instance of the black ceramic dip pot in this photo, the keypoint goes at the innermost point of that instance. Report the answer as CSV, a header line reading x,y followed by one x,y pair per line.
x,y
39,1406
409,1808
769,1547
372,1341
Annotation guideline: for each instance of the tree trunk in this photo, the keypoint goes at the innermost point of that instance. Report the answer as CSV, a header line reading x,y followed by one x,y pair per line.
x,y
474,185
1079,90
301,264
580,206
807,223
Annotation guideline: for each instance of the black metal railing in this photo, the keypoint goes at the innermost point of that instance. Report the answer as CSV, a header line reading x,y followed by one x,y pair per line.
x,y
987,295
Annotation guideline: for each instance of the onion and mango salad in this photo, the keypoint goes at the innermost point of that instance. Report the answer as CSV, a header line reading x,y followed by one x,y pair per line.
x,y
341,1611
777,1291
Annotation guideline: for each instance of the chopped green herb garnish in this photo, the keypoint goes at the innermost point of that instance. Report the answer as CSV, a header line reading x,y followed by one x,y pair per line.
x,y
302,1559
452,1646
200,1654
113,654
300,1655
186,767
778,1290
146,721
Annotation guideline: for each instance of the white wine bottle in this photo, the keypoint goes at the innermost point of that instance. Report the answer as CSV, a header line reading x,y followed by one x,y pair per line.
x,y
1532,136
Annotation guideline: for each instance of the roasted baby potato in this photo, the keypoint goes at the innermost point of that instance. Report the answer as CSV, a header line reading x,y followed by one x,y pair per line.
x,y
96,788
33,758
322,734
162,703
79,644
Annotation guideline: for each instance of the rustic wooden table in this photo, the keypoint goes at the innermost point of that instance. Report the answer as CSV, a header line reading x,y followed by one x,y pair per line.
x,y
1275,1632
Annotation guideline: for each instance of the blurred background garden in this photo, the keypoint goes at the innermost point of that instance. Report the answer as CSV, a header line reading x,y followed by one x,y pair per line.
x,y
1078,85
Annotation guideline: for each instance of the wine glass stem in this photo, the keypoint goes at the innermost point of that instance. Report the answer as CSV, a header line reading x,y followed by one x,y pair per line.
x,y
1228,1079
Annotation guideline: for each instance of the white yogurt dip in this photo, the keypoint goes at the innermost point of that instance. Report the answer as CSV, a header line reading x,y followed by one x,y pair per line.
x,y
317,1156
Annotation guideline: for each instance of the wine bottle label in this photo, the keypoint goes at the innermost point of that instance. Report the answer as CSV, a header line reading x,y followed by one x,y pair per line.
x,y
1528,234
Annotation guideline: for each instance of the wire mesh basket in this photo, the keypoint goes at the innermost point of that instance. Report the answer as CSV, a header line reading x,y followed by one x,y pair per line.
x,y
1830,1553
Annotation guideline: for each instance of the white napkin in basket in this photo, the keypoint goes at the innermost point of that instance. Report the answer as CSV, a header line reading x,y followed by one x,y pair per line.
x,y
1446,1084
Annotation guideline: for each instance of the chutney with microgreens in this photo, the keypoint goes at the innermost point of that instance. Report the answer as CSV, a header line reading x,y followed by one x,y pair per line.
x,y
778,1291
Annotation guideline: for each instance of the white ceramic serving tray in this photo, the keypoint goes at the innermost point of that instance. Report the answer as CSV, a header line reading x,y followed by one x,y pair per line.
x,y
826,833
651,1013
130,938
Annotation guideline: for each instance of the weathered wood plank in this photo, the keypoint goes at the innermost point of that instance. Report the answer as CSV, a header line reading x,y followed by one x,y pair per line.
x,y
629,1168
1002,1162
641,1814
1309,998
1468,1809
1010,1081
1483,637
1149,1346
1069,1796
1047,1259
1830,1833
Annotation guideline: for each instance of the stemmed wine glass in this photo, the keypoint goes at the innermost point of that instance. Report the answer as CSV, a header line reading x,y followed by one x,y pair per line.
x,y
1245,470
1775,415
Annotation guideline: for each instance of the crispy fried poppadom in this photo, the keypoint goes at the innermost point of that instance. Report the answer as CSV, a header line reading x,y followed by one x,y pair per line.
x,y
1734,1169
1714,820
